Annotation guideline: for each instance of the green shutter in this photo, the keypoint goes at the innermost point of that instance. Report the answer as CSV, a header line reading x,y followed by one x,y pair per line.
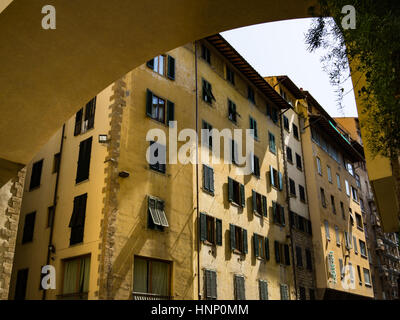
x,y
213,284
171,68
204,176
230,190
150,64
211,176
264,205
266,248
245,246
203,227
271,175
280,181
255,243
242,195
263,290
149,102
254,197
218,231
232,236
274,213
277,255
282,212
170,111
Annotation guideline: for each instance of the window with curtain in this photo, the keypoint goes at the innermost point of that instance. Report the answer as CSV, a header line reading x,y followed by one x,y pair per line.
x,y
76,278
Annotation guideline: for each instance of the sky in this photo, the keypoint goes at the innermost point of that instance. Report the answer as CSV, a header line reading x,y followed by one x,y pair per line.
x,y
278,48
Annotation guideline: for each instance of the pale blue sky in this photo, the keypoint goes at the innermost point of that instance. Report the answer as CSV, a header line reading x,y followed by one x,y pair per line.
x,y
278,48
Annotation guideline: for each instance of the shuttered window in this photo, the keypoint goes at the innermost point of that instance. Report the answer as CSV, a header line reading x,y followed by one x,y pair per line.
x,y
261,247
90,110
284,292
298,162
158,157
206,54
278,213
20,286
230,75
299,257
327,235
157,64
29,226
234,152
323,199
292,187
232,114
259,203
210,229
78,122
274,115
85,149
302,193
56,163
36,174
238,239
157,110
286,123
295,131
208,179
308,260
171,68
207,134
207,92
77,221
275,178
236,193
210,285
157,219
355,245
240,293
333,204
289,155
263,287
253,126
272,145
255,166
250,94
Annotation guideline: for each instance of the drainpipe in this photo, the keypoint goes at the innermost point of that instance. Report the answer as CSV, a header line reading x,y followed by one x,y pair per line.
x,y
197,172
288,202
54,205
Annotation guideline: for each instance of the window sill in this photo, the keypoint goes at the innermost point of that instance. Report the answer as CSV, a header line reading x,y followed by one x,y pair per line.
x,y
157,121
208,243
273,152
236,204
363,256
211,193
81,182
158,171
240,253
34,188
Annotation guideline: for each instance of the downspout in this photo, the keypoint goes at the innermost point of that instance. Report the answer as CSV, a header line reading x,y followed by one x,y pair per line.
x,y
54,205
197,173
288,202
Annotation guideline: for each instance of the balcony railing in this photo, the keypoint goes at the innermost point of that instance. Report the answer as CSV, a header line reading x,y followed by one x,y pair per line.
x,y
149,296
73,296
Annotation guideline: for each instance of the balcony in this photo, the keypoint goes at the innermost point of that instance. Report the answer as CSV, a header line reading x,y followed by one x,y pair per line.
x,y
390,242
149,296
73,296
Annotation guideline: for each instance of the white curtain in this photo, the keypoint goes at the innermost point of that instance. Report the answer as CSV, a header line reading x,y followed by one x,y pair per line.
x,y
140,275
159,277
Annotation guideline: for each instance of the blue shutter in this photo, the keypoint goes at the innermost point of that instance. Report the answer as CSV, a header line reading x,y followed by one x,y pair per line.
x,y
242,195
266,248
280,181
218,232
230,190
203,227
271,174
255,243
264,205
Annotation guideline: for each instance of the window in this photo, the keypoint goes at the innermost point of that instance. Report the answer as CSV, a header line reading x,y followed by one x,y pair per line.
x,y
349,167
358,181
338,182
207,137
329,173
82,125
253,126
230,75
302,193
20,286
275,178
210,284
77,221
282,253
208,179
236,192
289,155
272,145
151,276
362,205
354,193
299,257
347,187
333,204
250,94
363,249
234,152
286,123
36,174
259,203
295,131
159,109
232,114
337,236
308,260
263,287
238,238
50,216
82,171
319,166
359,275
272,112
255,166
327,235
302,294
157,219
158,64
359,222
205,54
347,238
284,292
278,213
292,187
355,245
207,92
157,157
300,223
210,229
323,200
56,163
367,278
298,162
76,278
261,247
342,209
239,288
29,226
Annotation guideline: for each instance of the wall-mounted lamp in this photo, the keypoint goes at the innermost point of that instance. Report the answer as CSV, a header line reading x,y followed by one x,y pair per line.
x,y
103,138
123,174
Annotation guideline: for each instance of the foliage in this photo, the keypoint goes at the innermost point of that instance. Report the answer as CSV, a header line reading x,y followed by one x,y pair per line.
x,y
372,49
